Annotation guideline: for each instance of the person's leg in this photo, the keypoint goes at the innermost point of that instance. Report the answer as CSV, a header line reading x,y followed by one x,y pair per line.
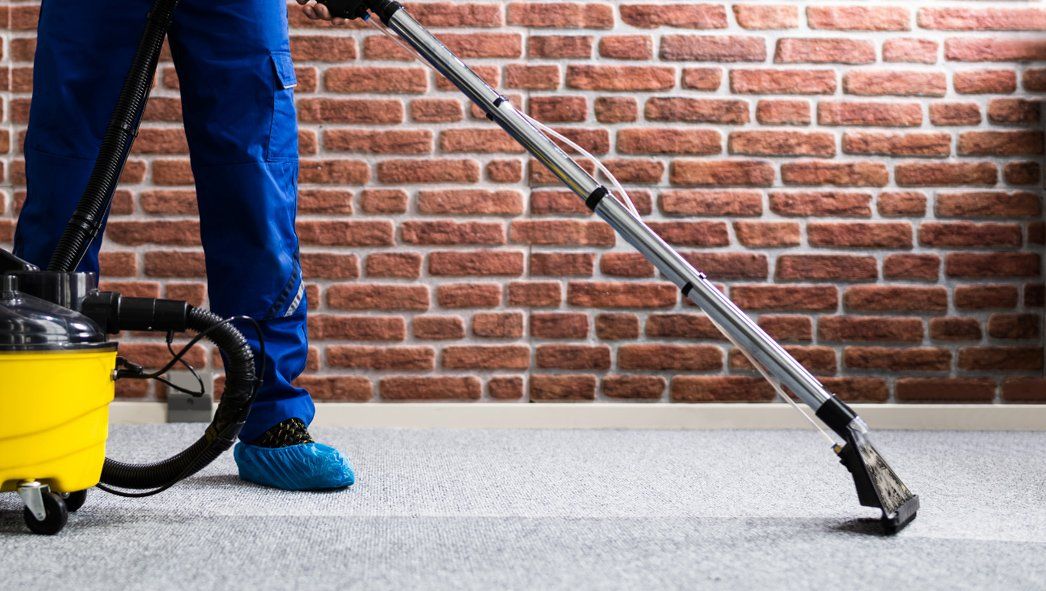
x,y
83,51
237,79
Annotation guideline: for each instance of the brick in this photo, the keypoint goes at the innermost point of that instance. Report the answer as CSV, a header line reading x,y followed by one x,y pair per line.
x,y
782,81
560,46
504,171
573,357
945,174
910,50
405,265
882,298
337,110
616,327
1000,143
702,78
1022,173
451,233
669,141
982,297
989,204
535,294
824,51
781,143
711,203
428,171
955,114
378,297
314,48
913,267
323,201
324,265
561,233
337,388
634,387
985,82
357,328
431,388
826,268
135,233
787,328
636,171
712,48
876,114
561,264
451,14
721,173
381,358
779,297
1034,79
378,142
783,112
615,109
983,19
860,234
477,263
766,16
333,172
955,328
730,265
1024,389
1001,264
897,359
174,264
720,389
493,325
435,110
684,16
968,234
558,325
438,328
558,109
345,233
817,360
1014,111
996,359
483,45
858,18
625,264
1015,326
118,264
486,357
670,357
682,326
626,47
894,83
619,78
692,233
767,234
560,15
1035,295
381,201
562,387
508,388
897,144
469,202
621,295
838,174
693,110
992,49
870,328
950,390
532,77
902,204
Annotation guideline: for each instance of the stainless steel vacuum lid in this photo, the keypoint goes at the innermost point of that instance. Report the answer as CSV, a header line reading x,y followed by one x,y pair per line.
x,y
30,323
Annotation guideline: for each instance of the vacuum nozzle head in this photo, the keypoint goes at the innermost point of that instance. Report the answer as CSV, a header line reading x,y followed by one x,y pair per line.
x,y
877,484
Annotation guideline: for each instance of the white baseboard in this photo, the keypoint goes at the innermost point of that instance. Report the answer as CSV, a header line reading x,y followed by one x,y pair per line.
x,y
453,415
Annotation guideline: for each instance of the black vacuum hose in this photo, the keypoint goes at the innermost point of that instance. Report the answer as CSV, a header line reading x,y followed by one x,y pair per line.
x,y
240,385
86,221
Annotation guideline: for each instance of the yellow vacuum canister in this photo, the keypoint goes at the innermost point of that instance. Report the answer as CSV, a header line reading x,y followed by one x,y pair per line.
x,y
56,383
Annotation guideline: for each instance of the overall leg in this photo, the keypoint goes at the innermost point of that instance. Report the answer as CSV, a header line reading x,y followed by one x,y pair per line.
x,y
83,51
234,67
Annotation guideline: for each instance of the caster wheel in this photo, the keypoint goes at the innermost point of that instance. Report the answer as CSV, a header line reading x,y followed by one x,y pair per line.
x,y
75,500
54,520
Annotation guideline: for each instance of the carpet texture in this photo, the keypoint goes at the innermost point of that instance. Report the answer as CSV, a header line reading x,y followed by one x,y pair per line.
x,y
560,510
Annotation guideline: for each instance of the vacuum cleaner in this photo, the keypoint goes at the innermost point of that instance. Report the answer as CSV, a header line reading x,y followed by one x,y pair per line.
x,y
53,323
59,366
878,486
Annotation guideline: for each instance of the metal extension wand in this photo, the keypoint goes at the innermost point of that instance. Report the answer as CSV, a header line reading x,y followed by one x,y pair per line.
x,y
877,485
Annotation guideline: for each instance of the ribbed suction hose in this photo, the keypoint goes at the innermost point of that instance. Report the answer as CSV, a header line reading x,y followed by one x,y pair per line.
x,y
224,428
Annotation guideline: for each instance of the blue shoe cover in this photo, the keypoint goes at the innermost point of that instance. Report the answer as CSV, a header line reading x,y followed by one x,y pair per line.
x,y
306,466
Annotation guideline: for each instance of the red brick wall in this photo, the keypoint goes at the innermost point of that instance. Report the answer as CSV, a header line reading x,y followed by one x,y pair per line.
x,y
864,178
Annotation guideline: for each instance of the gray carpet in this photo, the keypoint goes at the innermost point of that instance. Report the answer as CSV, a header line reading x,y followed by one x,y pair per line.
x,y
561,510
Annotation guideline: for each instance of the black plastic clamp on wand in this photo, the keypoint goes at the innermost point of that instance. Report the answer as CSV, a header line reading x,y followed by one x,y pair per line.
x,y
352,9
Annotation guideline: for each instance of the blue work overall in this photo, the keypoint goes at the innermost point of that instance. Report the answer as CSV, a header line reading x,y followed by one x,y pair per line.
x,y
234,67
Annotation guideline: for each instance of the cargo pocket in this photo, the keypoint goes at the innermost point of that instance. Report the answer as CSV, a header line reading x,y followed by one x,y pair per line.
x,y
283,131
